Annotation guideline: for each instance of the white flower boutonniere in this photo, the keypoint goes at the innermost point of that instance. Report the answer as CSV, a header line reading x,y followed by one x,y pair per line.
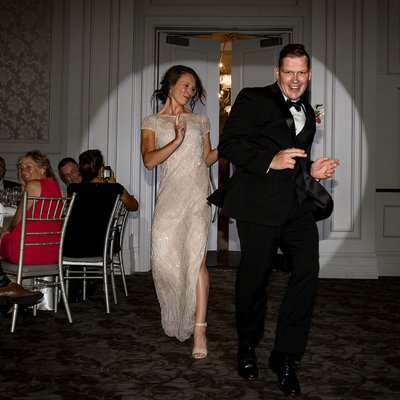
x,y
319,113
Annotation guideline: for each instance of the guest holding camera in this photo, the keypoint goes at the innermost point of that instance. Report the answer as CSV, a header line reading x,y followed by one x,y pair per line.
x,y
93,205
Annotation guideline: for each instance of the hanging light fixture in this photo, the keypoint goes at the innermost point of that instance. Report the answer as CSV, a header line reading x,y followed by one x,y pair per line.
x,y
221,65
226,81
225,78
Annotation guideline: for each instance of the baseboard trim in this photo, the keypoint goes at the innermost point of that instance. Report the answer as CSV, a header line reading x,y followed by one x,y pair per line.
x,y
389,263
332,265
348,266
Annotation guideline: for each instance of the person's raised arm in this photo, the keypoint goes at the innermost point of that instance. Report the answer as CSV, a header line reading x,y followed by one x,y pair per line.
x,y
152,156
210,155
129,200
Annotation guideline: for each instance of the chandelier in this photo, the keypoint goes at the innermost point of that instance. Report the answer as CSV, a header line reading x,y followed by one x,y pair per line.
x,y
225,77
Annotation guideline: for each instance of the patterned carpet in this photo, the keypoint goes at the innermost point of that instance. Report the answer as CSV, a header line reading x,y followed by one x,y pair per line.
x,y
353,351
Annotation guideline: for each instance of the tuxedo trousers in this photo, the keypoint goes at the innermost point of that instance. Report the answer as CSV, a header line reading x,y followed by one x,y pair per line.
x,y
298,239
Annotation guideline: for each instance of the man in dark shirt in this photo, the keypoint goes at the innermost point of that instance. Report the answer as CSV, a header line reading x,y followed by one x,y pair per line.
x,y
68,169
5,184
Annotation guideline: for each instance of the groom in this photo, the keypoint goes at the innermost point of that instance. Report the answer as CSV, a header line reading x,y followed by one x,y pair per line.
x,y
268,134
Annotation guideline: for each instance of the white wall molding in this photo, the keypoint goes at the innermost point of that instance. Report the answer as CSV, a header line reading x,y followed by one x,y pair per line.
x,y
387,140
227,3
112,75
102,85
51,144
353,265
102,77
393,33
388,232
389,263
185,24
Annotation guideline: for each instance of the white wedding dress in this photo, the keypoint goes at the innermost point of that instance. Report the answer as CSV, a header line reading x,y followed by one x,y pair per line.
x,y
181,221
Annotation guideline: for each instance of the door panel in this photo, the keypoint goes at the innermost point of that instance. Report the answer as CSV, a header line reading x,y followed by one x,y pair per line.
x,y
253,64
202,55
254,61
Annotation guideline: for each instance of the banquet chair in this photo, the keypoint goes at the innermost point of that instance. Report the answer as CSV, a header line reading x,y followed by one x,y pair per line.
x,y
42,225
118,261
98,267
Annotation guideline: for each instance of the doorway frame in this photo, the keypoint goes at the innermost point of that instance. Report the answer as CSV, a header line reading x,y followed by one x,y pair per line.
x,y
152,26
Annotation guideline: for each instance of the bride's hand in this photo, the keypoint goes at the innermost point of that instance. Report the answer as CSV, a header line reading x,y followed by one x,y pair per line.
x,y
180,129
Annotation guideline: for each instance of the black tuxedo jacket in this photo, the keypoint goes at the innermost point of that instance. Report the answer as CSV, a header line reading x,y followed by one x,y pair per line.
x,y
259,126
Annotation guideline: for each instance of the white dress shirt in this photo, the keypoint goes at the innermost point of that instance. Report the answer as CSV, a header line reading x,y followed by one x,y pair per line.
x,y
299,117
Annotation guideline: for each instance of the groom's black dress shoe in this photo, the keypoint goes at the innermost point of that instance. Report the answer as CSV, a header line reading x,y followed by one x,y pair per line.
x,y
247,363
284,368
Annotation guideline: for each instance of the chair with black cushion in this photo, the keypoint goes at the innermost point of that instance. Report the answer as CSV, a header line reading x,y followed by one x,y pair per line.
x,y
42,225
98,267
118,261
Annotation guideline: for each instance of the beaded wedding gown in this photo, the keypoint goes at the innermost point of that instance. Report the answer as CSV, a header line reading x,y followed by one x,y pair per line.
x,y
181,221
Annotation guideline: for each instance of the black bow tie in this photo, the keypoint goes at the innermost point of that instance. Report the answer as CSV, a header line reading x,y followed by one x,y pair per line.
x,y
295,104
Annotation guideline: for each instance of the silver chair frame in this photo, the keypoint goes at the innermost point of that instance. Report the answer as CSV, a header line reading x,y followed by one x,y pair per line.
x,y
59,209
97,267
118,261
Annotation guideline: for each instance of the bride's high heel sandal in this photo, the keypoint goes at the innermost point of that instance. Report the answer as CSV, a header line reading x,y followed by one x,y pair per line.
x,y
200,352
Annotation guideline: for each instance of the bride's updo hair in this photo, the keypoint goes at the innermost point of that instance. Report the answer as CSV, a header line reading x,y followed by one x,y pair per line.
x,y
90,162
169,80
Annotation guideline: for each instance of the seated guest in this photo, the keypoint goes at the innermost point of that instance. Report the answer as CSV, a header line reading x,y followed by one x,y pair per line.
x,y
68,169
5,184
93,206
38,179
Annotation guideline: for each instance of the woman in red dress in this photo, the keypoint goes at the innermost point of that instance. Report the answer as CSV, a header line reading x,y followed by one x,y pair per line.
x,y
38,179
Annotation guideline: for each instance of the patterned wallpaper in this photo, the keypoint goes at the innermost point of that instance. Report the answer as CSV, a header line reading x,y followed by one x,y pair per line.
x,y
25,44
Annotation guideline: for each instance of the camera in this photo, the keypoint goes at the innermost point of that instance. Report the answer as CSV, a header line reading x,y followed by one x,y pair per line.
x,y
107,173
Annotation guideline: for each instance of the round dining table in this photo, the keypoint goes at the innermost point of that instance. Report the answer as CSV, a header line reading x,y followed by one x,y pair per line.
x,y
6,217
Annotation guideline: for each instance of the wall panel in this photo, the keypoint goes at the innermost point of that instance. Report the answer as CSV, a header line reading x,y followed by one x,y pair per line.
x,y
101,76
393,42
31,82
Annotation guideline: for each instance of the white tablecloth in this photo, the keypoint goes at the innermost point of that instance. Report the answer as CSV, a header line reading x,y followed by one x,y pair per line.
x,y
6,214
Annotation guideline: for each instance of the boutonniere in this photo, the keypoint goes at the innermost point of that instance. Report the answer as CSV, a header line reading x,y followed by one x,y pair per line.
x,y
319,113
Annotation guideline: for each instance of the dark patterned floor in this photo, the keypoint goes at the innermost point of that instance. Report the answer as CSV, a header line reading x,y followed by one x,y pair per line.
x,y
353,351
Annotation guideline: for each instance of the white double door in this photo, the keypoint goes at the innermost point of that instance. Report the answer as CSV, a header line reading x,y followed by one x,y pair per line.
x,y
253,63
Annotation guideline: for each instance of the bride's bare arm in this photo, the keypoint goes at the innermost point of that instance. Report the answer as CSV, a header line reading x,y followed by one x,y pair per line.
x,y
152,156
210,155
